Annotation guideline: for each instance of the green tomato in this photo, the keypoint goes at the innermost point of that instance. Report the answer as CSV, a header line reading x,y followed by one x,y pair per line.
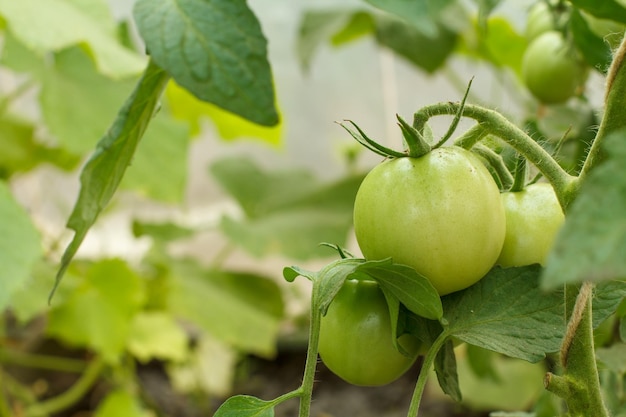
x,y
440,214
539,21
356,339
551,70
533,219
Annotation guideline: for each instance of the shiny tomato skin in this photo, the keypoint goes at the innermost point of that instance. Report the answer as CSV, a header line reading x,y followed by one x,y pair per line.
x,y
355,337
534,217
440,214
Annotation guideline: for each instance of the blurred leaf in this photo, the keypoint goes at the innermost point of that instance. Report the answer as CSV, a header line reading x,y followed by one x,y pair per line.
x,y
613,358
238,309
360,24
594,49
159,167
445,367
506,312
412,289
98,314
53,25
77,103
105,168
17,57
498,43
482,361
229,126
161,231
607,9
213,48
316,28
156,335
592,243
421,14
428,53
20,246
245,406
485,7
119,403
287,211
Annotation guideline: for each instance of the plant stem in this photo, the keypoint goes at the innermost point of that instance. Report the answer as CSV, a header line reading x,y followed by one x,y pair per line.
x,y
306,390
5,410
564,184
429,360
31,360
496,163
614,104
72,395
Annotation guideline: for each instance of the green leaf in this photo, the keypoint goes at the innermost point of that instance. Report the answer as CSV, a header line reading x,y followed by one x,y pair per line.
x,y
506,312
159,168
613,358
245,406
20,246
485,7
161,231
445,367
238,309
330,279
421,14
592,243
607,9
594,49
119,403
360,24
156,335
98,313
428,53
17,57
77,102
412,289
481,361
104,170
53,25
184,106
213,48
285,211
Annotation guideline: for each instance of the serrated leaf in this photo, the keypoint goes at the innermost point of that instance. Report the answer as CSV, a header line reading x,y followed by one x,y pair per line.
x,y
428,53
245,406
242,314
159,167
53,25
592,243
213,48
506,312
594,49
156,335
607,9
73,79
184,106
98,313
445,367
20,246
105,169
412,289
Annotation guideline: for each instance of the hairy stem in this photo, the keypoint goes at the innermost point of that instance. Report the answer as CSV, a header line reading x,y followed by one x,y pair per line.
x,y
494,123
306,390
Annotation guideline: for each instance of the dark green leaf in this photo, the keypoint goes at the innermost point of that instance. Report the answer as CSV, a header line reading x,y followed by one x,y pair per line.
x,y
506,312
213,48
412,289
105,169
592,243
428,53
594,49
421,14
20,246
245,406
290,273
445,367
606,9
330,280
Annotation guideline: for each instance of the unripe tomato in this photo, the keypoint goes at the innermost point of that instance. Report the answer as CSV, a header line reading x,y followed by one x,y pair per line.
x,y
551,70
356,340
533,219
440,214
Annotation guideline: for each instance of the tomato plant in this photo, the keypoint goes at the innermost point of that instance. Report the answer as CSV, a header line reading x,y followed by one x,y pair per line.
x,y
551,69
356,337
533,218
440,214
539,20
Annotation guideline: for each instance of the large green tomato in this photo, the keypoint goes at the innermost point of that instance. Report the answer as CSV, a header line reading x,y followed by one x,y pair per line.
x,y
533,219
552,71
355,337
440,214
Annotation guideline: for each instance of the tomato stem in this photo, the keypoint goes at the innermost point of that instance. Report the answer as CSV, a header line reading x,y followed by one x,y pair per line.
x,y
306,389
520,174
496,165
494,123
429,360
